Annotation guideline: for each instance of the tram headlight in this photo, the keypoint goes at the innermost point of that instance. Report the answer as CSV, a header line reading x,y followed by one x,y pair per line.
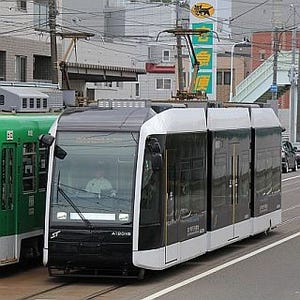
x,y
61,215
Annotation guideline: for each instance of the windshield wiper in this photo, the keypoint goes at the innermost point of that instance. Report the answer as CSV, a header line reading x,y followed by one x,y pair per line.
x,y
86,221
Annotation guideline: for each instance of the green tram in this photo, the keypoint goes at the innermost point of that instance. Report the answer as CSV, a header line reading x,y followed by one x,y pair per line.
x,y
23,185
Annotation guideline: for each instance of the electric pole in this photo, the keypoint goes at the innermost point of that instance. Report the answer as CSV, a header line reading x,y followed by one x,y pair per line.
x,y
298,102
293,104
52,27
275,63
277,24
179,51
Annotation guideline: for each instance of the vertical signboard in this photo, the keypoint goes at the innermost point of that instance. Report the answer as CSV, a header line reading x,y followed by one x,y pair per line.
x,y
203,16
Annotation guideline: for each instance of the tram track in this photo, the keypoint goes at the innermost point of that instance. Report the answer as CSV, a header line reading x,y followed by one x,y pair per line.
x,y
99,289
30,297
61,290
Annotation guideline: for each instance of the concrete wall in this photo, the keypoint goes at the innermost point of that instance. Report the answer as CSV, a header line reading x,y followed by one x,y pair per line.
x,y
24,47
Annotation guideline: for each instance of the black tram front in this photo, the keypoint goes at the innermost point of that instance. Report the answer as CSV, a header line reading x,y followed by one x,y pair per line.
x,y
90,231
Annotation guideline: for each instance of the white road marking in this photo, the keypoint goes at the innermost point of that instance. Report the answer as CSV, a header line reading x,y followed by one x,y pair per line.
x,y
291,208
290,178
219,268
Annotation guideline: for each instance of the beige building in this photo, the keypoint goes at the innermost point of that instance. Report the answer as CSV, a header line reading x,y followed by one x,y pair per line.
x,y
241,69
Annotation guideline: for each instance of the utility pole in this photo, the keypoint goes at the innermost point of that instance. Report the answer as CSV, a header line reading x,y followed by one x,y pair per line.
x,y
293,104
179,51
298,102
275,63
52,27
277,23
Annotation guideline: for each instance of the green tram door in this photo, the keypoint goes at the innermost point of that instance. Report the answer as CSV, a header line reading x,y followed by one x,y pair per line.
x,y
8,207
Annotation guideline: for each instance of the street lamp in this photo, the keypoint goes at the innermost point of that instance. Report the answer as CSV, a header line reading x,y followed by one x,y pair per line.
x,y
231,66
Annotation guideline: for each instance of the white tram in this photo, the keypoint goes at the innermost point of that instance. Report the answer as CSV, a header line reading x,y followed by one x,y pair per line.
x,y
185,180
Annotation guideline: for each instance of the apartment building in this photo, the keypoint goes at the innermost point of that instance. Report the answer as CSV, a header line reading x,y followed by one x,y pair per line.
x,y
24,41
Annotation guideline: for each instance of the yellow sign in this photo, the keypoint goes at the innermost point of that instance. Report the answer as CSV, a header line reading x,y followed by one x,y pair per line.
x,y
204,57
204,82
202,10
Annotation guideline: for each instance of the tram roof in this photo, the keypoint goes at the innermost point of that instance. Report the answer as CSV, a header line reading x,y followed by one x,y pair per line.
x,y
228,118
264,118
102,119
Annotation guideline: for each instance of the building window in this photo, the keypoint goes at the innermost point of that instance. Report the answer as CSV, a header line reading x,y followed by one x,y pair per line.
x,y
149,53
108,84
90,94
24,103
22,5
163,84
262,55
45,103
2,99
42,67
31,103
227,77
219,78
41,13
166,55
2,65
38,103
21,65
137,89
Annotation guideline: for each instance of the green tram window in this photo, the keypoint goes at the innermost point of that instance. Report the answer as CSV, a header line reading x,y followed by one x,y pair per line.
x,y
43,166
29,154
7,179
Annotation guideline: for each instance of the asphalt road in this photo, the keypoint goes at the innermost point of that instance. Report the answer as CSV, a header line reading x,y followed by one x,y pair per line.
x,y
260,267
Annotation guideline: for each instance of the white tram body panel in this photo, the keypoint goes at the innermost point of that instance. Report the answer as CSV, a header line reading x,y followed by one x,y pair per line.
x,y
266,120
48,194
169,121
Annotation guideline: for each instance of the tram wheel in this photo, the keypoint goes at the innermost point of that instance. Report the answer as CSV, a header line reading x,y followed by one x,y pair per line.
x,y
141,274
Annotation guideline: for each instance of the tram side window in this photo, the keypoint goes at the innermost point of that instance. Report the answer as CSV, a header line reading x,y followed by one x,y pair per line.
x,y
219,180
43,166
150,208
191,188
7,179
276,171
264,173
190,170
29,154
3,179
244,176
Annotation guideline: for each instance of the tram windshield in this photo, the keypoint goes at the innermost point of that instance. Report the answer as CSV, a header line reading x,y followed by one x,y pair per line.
x,y
94,182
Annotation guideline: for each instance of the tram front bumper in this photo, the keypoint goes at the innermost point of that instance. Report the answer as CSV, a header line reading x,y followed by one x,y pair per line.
x,y
89,256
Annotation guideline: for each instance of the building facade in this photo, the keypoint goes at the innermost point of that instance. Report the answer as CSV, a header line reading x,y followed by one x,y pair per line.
x,y
24,41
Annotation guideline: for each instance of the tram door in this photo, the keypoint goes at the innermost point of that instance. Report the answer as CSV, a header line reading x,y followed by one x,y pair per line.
x,y
171,221
239,183
8,194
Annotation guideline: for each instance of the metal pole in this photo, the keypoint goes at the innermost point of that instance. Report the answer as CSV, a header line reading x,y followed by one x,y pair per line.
x,y
297,102
52,27
293,105
179,53
231,73
231,66
275,64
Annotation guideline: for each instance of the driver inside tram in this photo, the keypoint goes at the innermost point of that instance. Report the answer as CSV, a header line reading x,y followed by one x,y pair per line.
x,y
99,184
